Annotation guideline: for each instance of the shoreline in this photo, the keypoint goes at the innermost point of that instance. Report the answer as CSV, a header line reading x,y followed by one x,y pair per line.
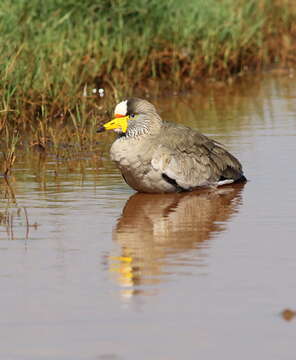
x,y
53,58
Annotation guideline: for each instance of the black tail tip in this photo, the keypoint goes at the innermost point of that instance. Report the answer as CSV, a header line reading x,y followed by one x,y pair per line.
x,y
242,179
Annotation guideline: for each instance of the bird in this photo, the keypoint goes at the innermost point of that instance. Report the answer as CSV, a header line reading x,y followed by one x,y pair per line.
x,y
157,156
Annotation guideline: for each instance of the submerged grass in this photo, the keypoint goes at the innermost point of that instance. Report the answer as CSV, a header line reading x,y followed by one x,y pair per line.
x,y
54,53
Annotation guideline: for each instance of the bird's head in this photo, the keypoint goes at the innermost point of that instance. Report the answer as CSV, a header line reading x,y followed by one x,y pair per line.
x,y
132,117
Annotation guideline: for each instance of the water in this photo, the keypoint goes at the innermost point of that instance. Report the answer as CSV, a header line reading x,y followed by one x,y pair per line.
x,y
91,270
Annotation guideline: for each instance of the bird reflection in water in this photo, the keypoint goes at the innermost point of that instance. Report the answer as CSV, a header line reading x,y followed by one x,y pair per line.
x,y
158,232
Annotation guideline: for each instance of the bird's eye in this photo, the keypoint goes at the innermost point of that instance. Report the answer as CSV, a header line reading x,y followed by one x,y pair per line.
x,y
132,115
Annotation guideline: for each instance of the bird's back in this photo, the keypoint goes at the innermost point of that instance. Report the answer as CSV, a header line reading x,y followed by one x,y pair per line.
x,y
209,156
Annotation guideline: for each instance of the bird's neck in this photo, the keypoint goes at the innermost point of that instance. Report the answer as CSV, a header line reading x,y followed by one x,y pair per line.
x,y
144,127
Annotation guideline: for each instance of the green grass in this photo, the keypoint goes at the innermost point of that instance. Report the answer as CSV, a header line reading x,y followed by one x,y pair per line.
x,y
52,48
55,52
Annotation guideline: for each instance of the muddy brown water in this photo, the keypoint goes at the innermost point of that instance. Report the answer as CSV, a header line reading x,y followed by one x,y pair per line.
x,y
91,270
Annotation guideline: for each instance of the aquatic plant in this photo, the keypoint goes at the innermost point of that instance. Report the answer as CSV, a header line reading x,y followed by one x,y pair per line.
x,y
55,55
8,149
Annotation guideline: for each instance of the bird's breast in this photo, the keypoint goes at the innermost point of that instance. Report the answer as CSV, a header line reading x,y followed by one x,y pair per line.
x,y
126,153
134,162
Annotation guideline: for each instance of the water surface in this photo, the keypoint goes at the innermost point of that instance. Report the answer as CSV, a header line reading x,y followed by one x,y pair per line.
x,y
92,270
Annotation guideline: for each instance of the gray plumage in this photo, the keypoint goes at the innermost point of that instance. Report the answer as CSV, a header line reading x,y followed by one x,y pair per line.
x,y
156,156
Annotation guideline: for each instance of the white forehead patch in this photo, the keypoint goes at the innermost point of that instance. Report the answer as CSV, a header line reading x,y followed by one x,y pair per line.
x,y
121,108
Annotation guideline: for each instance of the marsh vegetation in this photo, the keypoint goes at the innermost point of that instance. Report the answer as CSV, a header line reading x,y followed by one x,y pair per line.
x,y
56,55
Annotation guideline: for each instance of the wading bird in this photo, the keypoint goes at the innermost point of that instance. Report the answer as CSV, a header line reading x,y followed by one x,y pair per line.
x,y
156,156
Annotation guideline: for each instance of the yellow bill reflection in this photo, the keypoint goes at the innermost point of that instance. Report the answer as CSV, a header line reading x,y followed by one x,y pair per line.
x,y
158,234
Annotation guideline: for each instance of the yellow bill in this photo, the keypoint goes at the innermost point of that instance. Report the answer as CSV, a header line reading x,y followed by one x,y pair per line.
x,y
118,123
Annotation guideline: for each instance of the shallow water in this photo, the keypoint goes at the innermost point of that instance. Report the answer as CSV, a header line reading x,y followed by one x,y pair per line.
x,y
91,270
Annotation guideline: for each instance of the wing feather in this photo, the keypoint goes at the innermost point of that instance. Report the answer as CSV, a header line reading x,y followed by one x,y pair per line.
x,y
193,160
